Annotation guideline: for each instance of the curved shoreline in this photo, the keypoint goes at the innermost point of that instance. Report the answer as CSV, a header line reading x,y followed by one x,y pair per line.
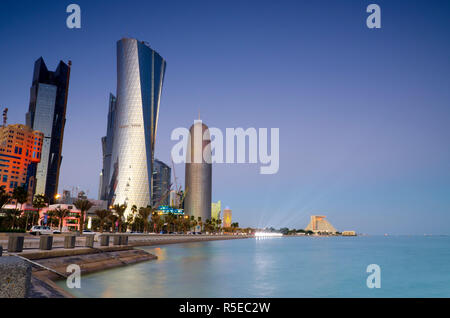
x,y
97,259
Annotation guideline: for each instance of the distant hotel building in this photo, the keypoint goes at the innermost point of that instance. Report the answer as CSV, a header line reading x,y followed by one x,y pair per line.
x,y
133,120
198,176
227,217
161,183
320,224
47,113
20,152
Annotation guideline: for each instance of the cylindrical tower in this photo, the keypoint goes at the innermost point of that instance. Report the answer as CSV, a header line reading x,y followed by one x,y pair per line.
x,y
198,172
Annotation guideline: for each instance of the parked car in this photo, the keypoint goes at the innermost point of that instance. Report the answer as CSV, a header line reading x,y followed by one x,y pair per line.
x,y
56,231
40,229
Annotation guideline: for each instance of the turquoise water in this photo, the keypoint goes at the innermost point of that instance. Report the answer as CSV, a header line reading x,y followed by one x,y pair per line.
x,y
283,267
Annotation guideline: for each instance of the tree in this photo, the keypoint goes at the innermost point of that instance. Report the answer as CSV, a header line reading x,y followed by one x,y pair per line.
x,y
39,202
120,210
4,197
113,218
144,214
61,214
82,205
20,194
102,215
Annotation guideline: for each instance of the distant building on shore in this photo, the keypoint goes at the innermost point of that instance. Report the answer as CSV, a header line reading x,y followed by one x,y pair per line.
x,y
227,217
318,223
348,233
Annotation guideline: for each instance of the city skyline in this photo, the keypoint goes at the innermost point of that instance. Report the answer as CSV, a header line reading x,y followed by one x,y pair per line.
x,y
363,122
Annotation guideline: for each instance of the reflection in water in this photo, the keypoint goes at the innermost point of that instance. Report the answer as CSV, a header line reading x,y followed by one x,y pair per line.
x,y
281,267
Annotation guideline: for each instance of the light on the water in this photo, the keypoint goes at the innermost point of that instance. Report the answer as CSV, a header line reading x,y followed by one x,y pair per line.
x,y
267,234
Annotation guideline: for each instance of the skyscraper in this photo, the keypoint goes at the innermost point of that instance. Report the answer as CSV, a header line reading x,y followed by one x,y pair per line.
x,y
107,145
140,76
161,183
47,113
198,172
20,151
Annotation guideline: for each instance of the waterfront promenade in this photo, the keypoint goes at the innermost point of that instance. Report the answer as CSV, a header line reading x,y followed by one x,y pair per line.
x,y
31,242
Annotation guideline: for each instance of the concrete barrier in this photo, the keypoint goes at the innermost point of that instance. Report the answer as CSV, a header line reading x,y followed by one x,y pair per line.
x,y
69,241
15,243
104,240
89,240
15,277
124,240
46,242
117,239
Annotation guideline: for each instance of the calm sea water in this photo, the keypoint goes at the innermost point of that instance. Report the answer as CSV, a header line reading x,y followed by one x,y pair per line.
x,y
282,267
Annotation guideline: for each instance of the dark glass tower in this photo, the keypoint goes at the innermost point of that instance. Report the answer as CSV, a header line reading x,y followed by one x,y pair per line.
x,y
107,145
161,183
47,113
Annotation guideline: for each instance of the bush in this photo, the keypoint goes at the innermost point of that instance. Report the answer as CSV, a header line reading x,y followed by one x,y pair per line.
x,y
12,230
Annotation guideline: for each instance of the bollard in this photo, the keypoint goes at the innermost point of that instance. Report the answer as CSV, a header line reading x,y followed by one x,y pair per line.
x,y
46,242
69,241
89,241
117,240
124,240
104,240
1,250
15,243
15,277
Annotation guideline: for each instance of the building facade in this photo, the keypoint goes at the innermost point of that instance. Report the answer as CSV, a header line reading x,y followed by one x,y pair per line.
x,y
198,174
107,145
140,76
20,152
47,113
319,223
161,183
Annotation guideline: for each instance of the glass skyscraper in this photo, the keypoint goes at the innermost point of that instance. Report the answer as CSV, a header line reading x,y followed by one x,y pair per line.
x,y
140,76
47,113
161,183
107,145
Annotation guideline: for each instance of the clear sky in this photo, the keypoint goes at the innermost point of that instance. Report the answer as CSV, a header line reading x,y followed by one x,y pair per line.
x,y
364,114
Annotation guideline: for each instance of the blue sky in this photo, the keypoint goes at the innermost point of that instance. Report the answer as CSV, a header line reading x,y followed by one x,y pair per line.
x,y
364,115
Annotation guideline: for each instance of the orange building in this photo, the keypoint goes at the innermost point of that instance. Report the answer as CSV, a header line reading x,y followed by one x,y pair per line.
x,y
20,151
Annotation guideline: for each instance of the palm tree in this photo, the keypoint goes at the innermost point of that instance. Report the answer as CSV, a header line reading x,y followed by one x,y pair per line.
x,y
120,210
83,206
19,194
145,213
200,223
39,202
61,214
102,216
113,218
